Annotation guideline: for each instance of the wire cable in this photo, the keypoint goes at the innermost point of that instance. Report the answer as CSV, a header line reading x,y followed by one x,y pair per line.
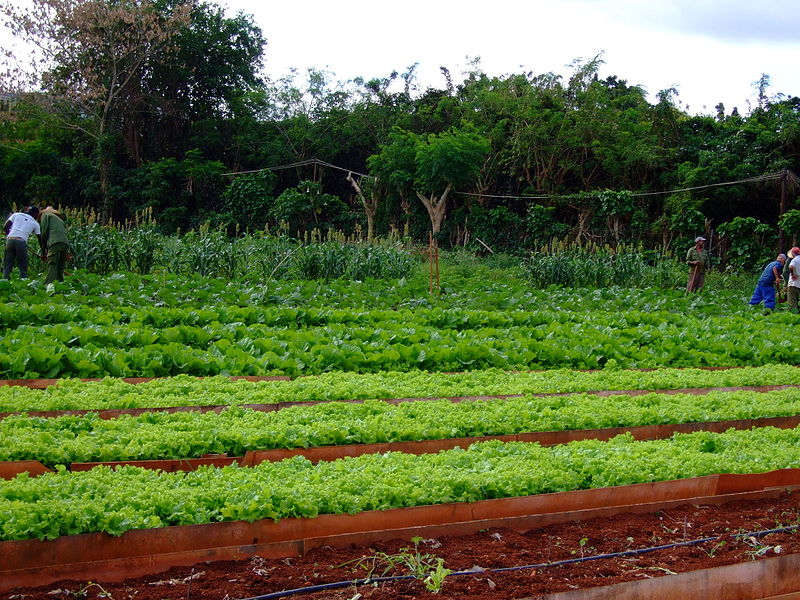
x,y
314,161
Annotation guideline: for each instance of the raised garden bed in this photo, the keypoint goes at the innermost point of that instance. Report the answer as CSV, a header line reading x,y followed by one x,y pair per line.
x,y
9,469
495,534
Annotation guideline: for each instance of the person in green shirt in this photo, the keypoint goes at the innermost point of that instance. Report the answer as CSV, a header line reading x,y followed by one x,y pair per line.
x,y
54,242
699,263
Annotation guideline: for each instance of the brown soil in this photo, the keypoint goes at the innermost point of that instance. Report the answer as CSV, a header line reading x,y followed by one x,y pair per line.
x,y
482,552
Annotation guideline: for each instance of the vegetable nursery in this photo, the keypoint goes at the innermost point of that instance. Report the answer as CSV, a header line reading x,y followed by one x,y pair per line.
x,y
365,399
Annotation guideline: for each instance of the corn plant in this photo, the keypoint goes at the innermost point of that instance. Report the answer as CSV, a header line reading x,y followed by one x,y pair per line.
x,y
602,266
141,249
96,248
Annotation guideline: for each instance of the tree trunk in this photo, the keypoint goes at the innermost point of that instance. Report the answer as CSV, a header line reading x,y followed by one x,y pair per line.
x,y
436,207
370,206
107,211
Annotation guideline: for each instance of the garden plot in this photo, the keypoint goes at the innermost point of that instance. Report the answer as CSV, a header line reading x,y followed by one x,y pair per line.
x,y
407,396
558,558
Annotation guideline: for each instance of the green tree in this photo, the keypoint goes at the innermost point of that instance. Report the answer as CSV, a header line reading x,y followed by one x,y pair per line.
x,y
205,74
748,241
431,166
306,207
91,56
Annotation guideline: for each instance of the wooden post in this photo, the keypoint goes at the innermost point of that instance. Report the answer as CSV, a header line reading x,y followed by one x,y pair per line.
x,y
781,210
436,253
430,262
433,263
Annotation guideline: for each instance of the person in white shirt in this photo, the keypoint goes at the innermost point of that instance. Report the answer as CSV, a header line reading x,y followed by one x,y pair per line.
x,y
18,228
793,285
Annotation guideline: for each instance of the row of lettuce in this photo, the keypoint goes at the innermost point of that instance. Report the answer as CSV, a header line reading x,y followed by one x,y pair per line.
x,y
166,435
112,393
155,326
117,500
401,342
472,287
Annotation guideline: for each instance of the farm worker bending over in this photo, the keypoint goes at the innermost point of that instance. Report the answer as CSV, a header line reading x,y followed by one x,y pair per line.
x,y
18,227
793,287
770,278
699,262
55,244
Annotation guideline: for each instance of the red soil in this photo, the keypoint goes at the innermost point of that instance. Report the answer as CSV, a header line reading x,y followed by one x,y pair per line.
x,y
484,551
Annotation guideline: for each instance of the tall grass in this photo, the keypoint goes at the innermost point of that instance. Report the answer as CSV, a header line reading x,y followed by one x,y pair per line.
x,y
250,257
602,266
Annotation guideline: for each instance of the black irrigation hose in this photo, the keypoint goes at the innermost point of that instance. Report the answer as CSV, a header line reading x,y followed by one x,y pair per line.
x,y
366,581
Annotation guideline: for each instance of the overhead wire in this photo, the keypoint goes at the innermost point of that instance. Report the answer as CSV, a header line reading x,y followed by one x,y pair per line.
x,y
315,161
303,163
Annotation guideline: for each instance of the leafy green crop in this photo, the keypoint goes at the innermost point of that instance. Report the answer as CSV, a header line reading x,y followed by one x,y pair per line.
x,y
434,340
182,390
115,501
87,438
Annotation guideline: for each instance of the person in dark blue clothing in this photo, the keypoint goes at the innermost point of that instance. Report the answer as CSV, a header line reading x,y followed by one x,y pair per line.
x,y
765,288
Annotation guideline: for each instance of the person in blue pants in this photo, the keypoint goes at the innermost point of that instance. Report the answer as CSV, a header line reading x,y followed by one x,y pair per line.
x,y
765,288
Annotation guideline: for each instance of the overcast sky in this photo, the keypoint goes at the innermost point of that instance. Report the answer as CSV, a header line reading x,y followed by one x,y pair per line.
x,y
711,50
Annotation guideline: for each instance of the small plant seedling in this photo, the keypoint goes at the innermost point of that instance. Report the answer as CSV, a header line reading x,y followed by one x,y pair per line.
x,y
714,549
84,591
758,548
581,545
426,567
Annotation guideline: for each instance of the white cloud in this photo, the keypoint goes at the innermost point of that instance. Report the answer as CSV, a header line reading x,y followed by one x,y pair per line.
x,y
711,50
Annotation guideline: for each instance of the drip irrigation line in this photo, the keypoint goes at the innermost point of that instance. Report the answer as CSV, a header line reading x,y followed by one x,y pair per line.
x,y
571,561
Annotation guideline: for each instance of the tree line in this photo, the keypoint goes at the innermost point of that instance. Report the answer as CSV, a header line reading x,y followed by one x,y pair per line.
x,y
163,105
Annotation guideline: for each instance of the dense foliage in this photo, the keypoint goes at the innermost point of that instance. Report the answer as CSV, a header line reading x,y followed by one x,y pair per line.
x,y
160,325
118,500
151,436
504,162
182,390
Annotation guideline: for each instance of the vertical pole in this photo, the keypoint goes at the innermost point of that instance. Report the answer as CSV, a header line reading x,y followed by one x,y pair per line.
x,y
430,262
782,209
436,250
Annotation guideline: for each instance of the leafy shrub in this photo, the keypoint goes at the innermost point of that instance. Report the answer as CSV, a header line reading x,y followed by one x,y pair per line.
x,y
248,200
305,207
747,238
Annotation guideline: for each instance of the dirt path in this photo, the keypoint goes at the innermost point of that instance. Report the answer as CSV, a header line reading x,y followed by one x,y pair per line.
x,y
482,552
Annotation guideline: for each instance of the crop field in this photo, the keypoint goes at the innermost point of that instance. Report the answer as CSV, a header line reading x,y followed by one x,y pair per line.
x,y
480,366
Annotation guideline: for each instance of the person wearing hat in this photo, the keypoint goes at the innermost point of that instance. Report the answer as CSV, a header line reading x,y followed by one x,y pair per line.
x,y
793,285
54,242
770,278
18,228
785,272
699,262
